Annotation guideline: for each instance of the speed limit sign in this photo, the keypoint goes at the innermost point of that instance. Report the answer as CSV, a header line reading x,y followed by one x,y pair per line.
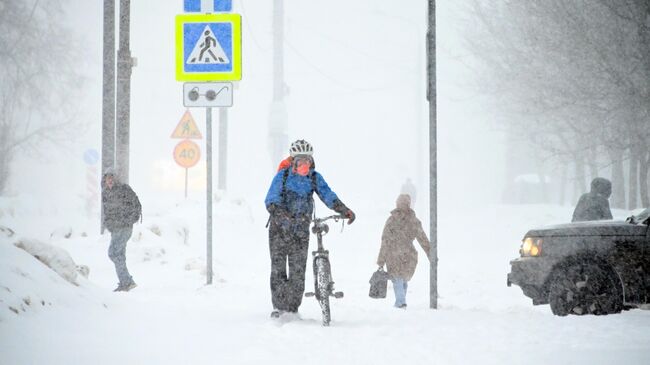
x,y
187,153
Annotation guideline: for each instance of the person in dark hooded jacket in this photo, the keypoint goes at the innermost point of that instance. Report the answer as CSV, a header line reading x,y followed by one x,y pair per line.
x,y
122,209
594,205
290,202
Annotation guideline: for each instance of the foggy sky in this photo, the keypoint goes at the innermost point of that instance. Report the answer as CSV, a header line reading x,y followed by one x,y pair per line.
x,y
357,83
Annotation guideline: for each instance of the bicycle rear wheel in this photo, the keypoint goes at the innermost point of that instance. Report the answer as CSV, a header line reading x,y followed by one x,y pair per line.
x,y
323,287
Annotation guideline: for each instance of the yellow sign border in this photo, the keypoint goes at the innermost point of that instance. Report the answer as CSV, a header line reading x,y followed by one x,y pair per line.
x,y
235,74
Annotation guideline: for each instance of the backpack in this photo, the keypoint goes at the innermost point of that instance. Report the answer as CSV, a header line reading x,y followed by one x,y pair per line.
x,y
137,214
285,175
284,182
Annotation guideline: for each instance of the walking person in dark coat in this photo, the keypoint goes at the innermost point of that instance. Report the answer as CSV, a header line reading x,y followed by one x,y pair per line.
x,y
594,205
121,210
397,251
290,202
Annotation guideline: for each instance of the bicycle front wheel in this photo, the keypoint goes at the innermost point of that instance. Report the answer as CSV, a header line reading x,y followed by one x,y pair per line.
x,y
323,287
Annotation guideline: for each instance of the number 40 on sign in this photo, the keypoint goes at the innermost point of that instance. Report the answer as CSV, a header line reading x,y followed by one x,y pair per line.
x,y
187,154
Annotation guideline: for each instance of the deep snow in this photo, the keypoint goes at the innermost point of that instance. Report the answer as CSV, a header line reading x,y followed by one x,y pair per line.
x,y
172,317
355,72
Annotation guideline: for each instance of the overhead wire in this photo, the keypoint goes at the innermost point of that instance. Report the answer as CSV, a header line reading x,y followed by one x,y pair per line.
x,y
249,27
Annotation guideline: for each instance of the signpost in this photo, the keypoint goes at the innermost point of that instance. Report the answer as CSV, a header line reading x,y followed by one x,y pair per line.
x,y
187,153
207,94
207,6
187,127
208,49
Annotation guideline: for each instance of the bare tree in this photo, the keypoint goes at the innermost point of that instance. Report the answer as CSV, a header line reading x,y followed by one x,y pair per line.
x,y
38,80
576,73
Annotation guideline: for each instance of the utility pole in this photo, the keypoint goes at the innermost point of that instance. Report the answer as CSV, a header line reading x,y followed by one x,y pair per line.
x,y
278,125
124,67
108,94
433,156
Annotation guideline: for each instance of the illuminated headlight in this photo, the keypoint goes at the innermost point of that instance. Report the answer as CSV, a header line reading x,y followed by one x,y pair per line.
x,y
531,247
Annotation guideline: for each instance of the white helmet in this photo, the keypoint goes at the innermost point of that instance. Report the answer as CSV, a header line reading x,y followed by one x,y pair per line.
x,y
301,147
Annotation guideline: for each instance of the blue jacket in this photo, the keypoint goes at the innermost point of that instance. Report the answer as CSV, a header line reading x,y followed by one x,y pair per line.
x,y
298,191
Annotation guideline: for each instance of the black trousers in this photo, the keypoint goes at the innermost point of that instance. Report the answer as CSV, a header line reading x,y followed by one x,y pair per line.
x,y
288,247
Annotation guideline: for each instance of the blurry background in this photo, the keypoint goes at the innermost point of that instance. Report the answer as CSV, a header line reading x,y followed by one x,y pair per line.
x,y
356,82
535,99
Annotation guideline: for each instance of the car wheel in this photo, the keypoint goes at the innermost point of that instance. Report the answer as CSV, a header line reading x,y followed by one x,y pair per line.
x,y
585,289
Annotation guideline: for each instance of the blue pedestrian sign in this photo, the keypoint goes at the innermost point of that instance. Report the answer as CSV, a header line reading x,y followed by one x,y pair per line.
x,y
208,47
194,6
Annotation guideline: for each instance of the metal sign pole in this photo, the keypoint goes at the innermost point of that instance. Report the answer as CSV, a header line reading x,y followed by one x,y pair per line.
x,y
208,159
186,183
201,56
223,148
433,157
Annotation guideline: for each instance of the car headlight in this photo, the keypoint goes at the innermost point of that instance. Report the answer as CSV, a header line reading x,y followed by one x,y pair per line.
x,y
531,247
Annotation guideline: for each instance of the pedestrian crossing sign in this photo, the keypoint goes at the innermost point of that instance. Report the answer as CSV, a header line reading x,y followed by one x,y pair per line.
x,y
208,47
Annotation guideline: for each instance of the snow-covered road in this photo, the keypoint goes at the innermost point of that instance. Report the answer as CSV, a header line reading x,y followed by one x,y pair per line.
x,y
173,318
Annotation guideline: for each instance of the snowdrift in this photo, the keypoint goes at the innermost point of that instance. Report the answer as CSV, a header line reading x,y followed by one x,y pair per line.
x,y
36,276
55,258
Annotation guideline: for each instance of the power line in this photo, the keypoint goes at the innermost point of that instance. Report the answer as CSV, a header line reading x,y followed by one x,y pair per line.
x,y
331,78
250,28
352,48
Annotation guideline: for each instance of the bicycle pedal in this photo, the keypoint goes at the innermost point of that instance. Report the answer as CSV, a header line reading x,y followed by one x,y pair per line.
x,y
338,295
309,294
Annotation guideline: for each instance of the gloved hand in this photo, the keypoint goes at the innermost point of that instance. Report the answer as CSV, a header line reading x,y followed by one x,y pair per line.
x,y
340,208
350,215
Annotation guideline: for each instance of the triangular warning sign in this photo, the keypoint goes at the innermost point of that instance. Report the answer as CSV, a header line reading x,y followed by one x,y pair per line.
x,y
187,128
207,50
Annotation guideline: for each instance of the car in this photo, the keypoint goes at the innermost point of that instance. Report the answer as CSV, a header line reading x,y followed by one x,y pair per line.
x,y
596,267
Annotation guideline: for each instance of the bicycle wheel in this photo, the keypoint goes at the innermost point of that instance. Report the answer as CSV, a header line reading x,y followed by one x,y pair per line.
x,y
322,278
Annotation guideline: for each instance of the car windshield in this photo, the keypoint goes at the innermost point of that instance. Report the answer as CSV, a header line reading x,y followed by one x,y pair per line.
x,y
641,217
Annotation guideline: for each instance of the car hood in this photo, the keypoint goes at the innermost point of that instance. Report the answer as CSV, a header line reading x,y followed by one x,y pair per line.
x,y
593,228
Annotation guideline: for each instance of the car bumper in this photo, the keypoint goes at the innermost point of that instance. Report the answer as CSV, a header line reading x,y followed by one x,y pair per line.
x,y
531,274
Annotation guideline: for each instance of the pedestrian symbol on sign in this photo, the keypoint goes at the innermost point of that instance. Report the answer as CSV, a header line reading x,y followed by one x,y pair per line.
x,y
187,128
207,50
208,47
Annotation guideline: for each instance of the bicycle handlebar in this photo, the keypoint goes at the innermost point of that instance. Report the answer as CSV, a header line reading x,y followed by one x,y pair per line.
x,y
335,217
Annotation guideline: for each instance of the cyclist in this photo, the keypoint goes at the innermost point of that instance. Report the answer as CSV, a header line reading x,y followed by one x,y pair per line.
x,y
290,202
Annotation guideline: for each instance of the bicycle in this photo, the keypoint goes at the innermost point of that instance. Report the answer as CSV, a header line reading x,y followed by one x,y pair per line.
x,y
323,284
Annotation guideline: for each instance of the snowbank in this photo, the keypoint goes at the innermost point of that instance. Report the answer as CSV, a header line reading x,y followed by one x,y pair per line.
x,y
28,285
55,258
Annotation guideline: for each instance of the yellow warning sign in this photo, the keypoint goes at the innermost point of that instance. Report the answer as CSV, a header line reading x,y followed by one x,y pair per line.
x,y
187,128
